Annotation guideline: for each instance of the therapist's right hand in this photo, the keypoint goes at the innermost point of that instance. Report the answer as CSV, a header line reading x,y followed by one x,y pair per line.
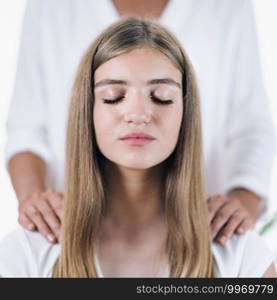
x,y
42,211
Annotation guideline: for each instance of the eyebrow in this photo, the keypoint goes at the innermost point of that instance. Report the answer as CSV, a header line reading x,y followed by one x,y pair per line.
x,y
168,81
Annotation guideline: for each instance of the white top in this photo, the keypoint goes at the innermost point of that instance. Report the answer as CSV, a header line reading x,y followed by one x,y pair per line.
x,y
28,254
220,39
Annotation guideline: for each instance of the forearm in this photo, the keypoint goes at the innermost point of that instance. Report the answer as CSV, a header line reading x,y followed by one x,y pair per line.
x,y
28,174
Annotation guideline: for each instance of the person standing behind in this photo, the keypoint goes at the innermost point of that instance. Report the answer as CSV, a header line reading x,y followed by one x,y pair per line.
x,y
220,39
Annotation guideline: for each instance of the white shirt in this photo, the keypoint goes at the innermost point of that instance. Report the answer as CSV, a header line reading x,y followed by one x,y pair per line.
x,y
219,37
28,254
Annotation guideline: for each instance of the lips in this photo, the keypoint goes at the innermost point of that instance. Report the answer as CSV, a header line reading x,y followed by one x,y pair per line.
x,y
137,139
138,136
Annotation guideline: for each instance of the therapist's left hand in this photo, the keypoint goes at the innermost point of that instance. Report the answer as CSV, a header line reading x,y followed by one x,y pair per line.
x,y
234,213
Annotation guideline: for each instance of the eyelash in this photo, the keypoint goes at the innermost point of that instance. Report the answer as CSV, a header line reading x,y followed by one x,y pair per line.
x,y
155,99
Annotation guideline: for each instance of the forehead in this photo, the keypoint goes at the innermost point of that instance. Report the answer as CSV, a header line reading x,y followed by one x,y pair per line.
x,y
141,64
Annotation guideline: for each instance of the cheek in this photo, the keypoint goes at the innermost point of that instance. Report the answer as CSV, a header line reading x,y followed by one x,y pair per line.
x,y
173,119
103,122
171,127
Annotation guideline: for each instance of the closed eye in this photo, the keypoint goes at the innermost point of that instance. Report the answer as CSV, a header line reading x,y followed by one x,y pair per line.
x,y
160,101
113,101
154,99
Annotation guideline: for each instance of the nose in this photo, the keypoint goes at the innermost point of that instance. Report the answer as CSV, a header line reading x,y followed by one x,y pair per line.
x,y
137,111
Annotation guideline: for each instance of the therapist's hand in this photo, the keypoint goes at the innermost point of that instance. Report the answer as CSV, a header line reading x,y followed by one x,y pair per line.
x,y
234,213
42,211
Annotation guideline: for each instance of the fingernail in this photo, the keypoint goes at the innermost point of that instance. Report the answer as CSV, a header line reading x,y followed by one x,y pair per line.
x,y
222,240
51,238
30,227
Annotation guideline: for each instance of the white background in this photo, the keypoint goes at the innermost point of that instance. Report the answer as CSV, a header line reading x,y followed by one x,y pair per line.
x,y
11,16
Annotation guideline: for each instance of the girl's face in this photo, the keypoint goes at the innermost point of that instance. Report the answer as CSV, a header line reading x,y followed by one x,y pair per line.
x,y
137,94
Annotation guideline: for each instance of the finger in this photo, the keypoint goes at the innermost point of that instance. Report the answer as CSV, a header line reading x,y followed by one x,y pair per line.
x,y
61,194
56,201
229,229
245,225
214,203
24,221
37,219
221,217
49,216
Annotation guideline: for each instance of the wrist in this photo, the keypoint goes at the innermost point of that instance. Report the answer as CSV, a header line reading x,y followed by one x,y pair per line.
x,y
29,194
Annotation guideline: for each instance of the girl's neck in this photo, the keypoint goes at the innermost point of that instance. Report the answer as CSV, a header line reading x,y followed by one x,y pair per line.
x,y
134,197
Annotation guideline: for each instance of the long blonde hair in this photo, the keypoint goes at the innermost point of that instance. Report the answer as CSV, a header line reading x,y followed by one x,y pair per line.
x,y
188,243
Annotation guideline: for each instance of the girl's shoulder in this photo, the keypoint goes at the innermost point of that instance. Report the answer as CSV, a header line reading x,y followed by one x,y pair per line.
x,y
27,254
244,255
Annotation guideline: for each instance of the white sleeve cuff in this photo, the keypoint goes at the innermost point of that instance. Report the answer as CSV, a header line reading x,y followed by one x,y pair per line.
x,y
26,141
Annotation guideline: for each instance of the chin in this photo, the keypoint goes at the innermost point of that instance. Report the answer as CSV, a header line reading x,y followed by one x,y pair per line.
x,y
136,161
138,165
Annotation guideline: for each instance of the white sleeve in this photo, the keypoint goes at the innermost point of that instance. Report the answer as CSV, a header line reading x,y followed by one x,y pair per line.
x,y
256,256
26,126
250,134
